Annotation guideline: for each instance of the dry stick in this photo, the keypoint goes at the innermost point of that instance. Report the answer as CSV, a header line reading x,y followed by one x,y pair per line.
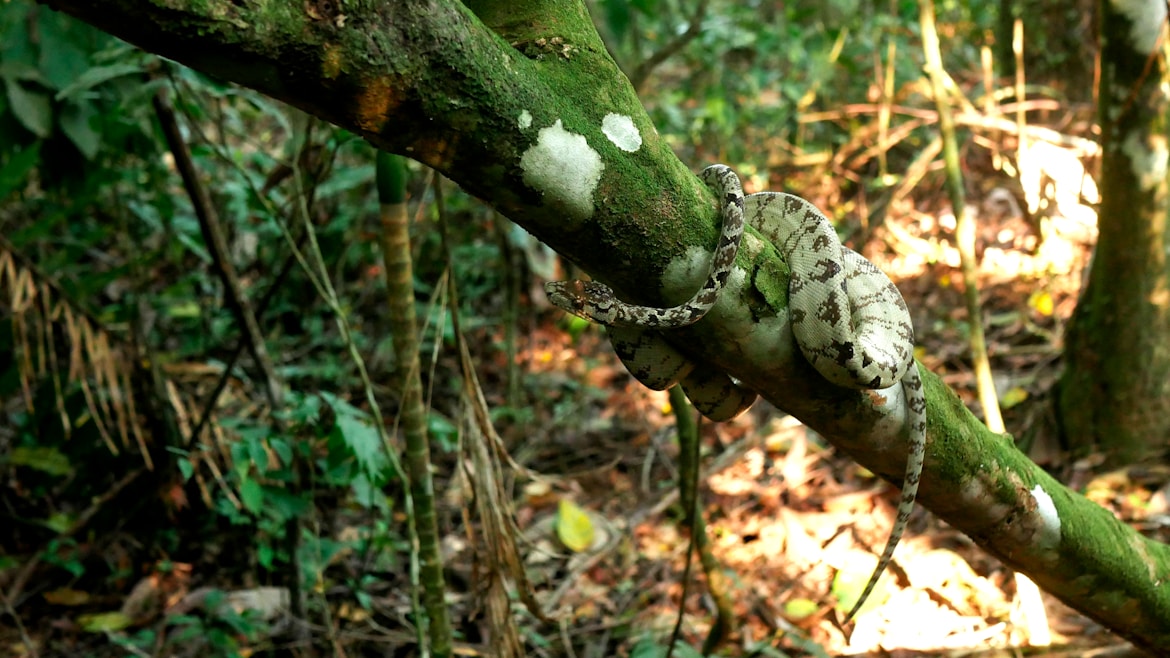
x,y
212,400
889,70
486,481
217,246
1021,115
862,138
989,104
854,109
642,72
965,224
24,638
24,276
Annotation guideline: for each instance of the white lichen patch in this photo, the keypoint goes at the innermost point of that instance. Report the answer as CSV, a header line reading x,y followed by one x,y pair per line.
x,y
1148,156
1050,519
525,120
1146,18
685,274
770,340
620,130
563,167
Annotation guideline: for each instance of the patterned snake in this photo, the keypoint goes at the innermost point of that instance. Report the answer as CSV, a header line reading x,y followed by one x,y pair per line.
x,y
848,318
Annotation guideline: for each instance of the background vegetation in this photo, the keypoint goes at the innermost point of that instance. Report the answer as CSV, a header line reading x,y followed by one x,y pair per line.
x,y
191,443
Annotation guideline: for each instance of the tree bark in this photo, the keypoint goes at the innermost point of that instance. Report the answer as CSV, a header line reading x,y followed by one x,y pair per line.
x,y
529,113
1115,392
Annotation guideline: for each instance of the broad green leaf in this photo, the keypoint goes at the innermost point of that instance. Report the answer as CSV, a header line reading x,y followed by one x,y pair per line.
x,y
61,60
186,468
67,596
356,432
285,504
364,441
574,528
31,108
59,522
104,622
1012,397
77,123
256,453
252,495
798,609
282,448
96,76
42,458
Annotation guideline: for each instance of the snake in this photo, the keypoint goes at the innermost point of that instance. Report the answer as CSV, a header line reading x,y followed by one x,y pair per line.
x,y
849,321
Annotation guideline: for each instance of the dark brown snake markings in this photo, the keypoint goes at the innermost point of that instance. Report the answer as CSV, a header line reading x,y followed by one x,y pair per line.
x,y
849,320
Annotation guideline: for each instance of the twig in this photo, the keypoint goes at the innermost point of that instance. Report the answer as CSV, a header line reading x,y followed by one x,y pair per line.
x,y
965,223
643,70
24,638
213,236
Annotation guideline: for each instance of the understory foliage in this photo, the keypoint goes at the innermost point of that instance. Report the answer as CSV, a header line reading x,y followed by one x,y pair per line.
x,y
151,461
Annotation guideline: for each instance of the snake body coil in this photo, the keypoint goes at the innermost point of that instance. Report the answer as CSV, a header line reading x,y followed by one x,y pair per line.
x,y
848,318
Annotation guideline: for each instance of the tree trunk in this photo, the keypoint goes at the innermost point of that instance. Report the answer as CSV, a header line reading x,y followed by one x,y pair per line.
x,y
1115,393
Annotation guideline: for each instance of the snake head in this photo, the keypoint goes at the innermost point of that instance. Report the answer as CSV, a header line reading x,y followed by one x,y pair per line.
x,y
585,299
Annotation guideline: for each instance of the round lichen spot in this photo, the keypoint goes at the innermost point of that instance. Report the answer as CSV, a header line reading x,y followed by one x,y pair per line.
x,y
620,130
563,167
525,120
1050,519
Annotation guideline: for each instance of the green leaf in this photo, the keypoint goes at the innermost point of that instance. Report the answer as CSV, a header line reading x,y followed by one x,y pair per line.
x,y
364,441
59,522
77,123
252,495
42,458
797,609
31,108
283,450
60,59
256,453
358,435
574,527
442,431
186,468
104,622
367,494
284,504
96,76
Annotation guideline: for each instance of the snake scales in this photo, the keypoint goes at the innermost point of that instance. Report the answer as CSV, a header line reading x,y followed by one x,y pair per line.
x,y
848,318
